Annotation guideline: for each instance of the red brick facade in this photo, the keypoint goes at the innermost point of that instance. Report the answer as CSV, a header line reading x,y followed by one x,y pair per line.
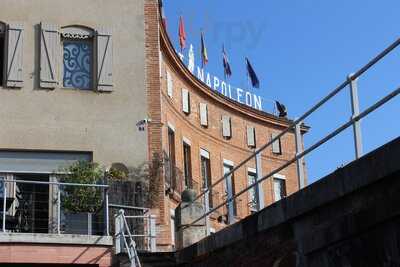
x,y
56,254
187,127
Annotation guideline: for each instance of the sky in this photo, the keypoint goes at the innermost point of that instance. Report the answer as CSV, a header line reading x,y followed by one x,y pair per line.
x,y
301,50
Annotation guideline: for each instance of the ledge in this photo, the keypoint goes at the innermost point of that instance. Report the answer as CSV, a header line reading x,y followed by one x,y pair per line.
x,y
63,239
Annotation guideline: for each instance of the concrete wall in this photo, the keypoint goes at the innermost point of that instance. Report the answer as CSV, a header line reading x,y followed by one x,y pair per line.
x,y
68,119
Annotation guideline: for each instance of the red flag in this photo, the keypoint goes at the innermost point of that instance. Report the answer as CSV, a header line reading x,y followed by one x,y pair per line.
x,y
182,34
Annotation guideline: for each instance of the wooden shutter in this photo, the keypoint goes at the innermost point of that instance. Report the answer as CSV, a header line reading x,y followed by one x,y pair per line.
x,y
185,101
251,136
49,55
104,60
226,126
276,146
203,114
170,85
14,71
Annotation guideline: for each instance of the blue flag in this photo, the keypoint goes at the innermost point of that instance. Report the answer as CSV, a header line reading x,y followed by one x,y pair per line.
x,y
252,75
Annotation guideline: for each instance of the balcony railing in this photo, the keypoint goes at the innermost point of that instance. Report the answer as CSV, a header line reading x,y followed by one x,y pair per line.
x,y
48,207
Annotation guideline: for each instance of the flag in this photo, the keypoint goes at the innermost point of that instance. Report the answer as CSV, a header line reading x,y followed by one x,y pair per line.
x,y
281,109
252,74
227,66
182,34
163,17
204,55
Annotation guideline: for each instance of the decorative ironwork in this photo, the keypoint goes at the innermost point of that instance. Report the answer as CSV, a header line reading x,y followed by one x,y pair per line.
x,y
78,64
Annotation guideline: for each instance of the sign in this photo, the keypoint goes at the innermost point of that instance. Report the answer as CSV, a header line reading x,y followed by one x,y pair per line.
x,y
221,86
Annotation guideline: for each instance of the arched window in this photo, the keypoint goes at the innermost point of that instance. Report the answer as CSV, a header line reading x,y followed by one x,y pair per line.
x,y
85,61
78,57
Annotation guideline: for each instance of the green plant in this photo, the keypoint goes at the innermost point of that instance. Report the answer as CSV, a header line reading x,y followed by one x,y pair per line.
x,y
82,198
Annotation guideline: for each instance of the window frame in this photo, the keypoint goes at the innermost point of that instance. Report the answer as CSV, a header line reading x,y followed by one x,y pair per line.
x,y
229,164
283,193
187,164
206,181
252,172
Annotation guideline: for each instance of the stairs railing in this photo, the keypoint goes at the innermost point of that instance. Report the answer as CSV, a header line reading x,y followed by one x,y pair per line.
x,y
125,242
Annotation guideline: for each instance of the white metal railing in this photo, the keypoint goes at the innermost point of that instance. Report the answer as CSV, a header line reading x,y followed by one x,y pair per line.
x,y
125,239
295,127
11,198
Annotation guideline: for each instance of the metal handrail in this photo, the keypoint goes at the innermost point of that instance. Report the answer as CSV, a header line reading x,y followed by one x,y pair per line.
x,y
132,244
347,82
53,183
293,125
310,149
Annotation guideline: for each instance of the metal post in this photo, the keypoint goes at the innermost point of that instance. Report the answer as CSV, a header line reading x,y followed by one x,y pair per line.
x,y
107,214
258,188
153,246
4,205
148,233
299,150
355,107
119,232
206,209
58,209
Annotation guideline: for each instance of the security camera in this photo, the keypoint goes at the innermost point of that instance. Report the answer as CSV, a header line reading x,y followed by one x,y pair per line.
x,y
141,125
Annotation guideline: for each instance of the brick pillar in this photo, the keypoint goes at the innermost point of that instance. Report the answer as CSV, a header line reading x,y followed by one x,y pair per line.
x,y
153,88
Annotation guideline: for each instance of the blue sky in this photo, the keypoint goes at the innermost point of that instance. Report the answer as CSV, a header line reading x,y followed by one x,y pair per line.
x,y
301,50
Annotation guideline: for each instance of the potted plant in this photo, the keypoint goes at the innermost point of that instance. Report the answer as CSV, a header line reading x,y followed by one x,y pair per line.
x,y
80,203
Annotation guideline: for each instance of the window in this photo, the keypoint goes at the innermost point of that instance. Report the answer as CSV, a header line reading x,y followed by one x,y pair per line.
x,y
276,146
77,59
2,52
81,66
206,174
252,178
171,146
170,85
203,114
77,64
185,101
226,127
187,165
251,136
170,169
279,187
230,188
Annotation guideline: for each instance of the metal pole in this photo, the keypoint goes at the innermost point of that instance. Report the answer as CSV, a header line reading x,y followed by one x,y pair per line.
x,y
258,188
355,107
299,150
4,206
148,233
107,214
206,209
58,209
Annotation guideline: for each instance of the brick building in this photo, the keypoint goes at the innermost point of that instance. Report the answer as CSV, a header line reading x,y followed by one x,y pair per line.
x,y
131,78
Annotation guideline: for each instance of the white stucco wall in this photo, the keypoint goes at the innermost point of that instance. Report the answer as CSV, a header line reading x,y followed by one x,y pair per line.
x,y
77,120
